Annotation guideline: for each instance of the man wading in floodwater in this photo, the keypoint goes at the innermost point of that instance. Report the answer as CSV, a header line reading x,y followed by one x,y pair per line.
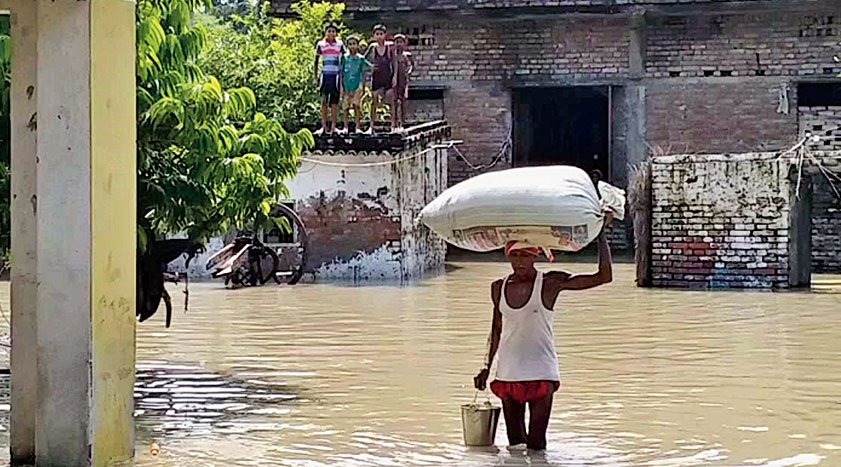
x,y
522,331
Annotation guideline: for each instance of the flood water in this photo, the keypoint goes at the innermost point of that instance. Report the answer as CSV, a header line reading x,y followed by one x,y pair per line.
x,y
339,375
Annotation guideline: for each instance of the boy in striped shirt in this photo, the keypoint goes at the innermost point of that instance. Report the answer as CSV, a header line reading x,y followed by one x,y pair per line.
x,y
329,52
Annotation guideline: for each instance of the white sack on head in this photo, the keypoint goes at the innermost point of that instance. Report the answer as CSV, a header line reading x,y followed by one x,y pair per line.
x,y
553,207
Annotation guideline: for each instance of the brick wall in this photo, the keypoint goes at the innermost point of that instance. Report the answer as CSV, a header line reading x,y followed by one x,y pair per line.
x,y
712,80
551,50
744,45
363,6
721,221
428,110
712,115
482,121
825,122
826,228
579,3
620,236
532,50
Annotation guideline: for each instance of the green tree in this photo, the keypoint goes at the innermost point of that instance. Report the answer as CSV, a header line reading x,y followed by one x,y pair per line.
x,y
273,57
226,9
207,162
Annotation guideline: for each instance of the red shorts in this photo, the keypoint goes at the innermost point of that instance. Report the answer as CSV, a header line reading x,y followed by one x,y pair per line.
x,y
524,391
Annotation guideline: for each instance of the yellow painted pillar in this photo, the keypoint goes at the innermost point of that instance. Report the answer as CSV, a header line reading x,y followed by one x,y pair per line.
x,y
85,232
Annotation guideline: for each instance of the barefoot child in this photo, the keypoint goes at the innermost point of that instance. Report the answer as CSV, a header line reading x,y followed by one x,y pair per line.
x,y
403,65
329,52
522,339
381,54
354,68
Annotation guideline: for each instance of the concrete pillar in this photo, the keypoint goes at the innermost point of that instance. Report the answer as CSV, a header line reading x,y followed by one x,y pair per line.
x,y
24,230
85,232
637,49
800,234
635,93
637,139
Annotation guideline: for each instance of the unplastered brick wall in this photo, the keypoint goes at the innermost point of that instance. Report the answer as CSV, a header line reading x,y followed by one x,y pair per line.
x,y
619,236
772,44
483,122
282,7
428,110
826,227
718,115
825,124
721,221
523,49
713,82
577,3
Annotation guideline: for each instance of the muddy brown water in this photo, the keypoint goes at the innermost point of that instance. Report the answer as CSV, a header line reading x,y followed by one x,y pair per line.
x,y
341,375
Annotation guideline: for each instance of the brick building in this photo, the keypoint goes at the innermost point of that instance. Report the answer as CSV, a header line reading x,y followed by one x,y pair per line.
x,y
600,83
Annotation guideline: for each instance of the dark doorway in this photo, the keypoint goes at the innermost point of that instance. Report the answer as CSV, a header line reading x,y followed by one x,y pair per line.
x,y
565,125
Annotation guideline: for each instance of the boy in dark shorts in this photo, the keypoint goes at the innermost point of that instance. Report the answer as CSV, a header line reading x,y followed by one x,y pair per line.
x,y
381,55
329,52
403,65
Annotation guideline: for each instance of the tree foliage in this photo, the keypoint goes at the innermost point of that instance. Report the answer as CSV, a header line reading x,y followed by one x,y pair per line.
x,y
207,161
226,9
273,57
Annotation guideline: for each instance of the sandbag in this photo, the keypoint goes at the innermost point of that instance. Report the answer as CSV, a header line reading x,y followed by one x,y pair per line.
x,y
555,207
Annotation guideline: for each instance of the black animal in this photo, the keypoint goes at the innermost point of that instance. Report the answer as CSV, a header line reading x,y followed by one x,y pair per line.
x,y
151,266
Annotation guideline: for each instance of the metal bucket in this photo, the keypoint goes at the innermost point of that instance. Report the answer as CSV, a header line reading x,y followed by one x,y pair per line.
x,y
479,423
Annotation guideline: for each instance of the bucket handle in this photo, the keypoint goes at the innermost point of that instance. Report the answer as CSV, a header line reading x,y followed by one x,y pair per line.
x,y
476,397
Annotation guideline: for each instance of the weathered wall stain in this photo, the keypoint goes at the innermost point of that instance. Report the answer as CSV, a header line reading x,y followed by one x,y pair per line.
x,y
364,228
340,227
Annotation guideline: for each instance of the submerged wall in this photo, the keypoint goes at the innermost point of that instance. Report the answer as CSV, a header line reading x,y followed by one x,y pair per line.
x,y
361,219
721,221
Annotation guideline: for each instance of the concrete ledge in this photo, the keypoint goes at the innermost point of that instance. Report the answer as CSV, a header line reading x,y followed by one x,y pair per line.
x,y
416,135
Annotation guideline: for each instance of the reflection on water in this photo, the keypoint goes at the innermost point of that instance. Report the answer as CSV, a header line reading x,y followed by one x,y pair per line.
x,y
185,400
337,375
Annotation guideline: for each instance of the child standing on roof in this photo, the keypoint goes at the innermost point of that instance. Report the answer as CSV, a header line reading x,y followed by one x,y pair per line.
x,y
381,54
328,52
403,65
354,68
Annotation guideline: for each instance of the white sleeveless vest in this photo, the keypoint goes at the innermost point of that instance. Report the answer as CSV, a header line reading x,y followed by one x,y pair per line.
x,y
527,345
